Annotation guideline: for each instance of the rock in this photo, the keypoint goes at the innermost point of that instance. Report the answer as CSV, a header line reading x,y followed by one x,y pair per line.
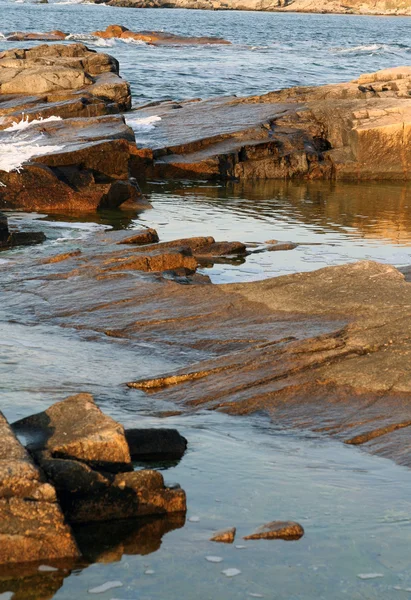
x,y
32,526
155,261
380,7
225,536
155,38
342,131
155,444
72,153
145,236
8,239
76,428
50,36
131,495
4,229
200,247
284,530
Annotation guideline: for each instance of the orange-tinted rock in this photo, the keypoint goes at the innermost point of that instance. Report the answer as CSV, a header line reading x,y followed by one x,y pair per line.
x,y
32,526
155,38
75,428
224,536
146,236
50,36
284,530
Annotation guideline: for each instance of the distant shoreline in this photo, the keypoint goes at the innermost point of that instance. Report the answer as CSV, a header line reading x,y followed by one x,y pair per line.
x,y
380,8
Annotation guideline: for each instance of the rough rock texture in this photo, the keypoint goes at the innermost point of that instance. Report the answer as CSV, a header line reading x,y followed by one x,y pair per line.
x,y
81,157
155,444
350,131
225,536
49,36
284,530
32,526
155,38
86,456
75,428
378,7
326,350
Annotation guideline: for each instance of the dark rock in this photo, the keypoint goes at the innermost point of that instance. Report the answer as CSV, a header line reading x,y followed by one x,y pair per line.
x,y
155,444
131,495
225,536
284,530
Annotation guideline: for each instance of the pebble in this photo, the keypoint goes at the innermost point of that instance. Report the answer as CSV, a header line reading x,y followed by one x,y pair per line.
x,y
369,575
214,559
109,585
231,572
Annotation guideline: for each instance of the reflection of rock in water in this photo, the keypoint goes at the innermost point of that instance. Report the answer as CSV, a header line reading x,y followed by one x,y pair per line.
x,y
107,542
28,583
371,210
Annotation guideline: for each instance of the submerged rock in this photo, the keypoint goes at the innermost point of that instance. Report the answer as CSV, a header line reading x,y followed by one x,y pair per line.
x,y
155,444
284,530
32,526
9,239
225,536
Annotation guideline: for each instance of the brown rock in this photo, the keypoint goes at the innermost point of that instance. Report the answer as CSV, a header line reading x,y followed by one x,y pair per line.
x,y
145,236
131,495
284,530
32,526
156,38
76,428
225,536
155,261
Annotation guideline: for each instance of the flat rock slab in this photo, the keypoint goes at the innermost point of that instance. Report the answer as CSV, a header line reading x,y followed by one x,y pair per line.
x,y
156,38
32,526
284,530
76,428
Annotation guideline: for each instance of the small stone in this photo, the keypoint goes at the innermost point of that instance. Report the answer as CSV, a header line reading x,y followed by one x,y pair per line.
x,y
214,559
284,530
225,536
231,572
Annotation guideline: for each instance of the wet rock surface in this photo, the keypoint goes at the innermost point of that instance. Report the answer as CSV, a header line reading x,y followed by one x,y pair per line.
x,y
62,145
10,239
284,530
325,350
348,131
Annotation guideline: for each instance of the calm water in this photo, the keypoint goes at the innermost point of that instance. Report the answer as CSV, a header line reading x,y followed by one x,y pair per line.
x,y
356,509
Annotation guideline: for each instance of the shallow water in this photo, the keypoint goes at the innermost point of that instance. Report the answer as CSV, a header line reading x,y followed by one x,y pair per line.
x,y
355,508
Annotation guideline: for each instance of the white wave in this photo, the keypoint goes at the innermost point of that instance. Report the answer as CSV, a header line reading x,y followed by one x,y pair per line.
x,y
24,123
81,37
19,145
102,42
142,124
359,49
132,41
2,36
76,226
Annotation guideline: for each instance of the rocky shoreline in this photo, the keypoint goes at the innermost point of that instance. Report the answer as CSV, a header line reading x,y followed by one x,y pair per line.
x,y
350,7
326,351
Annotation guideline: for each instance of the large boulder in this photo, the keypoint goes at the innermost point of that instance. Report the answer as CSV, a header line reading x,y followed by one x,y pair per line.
x,y
76,429
155,444
32,526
